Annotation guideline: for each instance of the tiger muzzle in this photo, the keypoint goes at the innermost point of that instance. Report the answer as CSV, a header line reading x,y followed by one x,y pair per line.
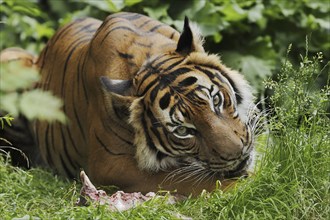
x,y
240,169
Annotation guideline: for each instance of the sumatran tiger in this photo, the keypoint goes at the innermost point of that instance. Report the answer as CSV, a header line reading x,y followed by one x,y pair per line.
x,y
147,107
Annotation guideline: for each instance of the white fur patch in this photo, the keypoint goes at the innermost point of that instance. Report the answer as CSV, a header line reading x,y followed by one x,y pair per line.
x,y
146,158
245,91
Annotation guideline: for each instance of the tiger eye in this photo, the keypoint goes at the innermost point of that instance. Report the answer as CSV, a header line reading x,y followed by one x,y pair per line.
x,y
182,131
216,100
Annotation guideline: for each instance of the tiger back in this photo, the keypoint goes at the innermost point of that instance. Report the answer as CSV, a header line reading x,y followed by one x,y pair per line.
x,y
71,65
147,107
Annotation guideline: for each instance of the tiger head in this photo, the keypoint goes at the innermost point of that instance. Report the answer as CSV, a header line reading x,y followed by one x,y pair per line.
x,y
187,110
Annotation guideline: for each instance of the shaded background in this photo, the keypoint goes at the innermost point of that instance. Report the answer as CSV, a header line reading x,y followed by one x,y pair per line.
x,y
250,35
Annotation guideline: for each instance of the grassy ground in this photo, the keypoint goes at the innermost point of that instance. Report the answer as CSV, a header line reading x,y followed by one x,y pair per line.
x,y
291,180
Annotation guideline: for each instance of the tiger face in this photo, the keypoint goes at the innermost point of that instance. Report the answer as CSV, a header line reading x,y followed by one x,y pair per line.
x,y
191,114
188,110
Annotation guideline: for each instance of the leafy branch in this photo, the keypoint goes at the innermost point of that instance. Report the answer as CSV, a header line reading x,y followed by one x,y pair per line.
x,y
7,118
18,96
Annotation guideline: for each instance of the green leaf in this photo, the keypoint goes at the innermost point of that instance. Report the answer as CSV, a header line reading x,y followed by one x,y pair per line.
x,y
7,118
116,5
253,68
255,13
158,12
256,69
209,30
130,3
321,5
41,105
75,15
44,31
8,103
233,12
189,9
262,46
207,17
107,5
324,23
14,76
217,37
102,5
27,9
288,8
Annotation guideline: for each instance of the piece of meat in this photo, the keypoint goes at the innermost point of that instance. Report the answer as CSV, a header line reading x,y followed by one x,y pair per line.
x,y
119,201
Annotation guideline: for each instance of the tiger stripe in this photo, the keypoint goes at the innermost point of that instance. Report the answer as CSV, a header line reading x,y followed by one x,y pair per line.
x,y
142,101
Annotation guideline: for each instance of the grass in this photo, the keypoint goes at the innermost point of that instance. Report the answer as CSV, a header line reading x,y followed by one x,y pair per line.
x,y
292,179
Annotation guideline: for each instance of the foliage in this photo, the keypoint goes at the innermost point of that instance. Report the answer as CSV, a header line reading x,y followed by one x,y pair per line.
x,y
298,102
291,180
24,25
7,118
14,79
249,35
300,146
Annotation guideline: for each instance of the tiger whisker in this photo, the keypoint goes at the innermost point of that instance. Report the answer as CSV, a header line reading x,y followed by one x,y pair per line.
x,y
257,121
181,174
203,176
190,175
176,172
260,124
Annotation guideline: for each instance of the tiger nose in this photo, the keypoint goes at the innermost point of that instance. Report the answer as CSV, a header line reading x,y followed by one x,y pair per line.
x,y
231,152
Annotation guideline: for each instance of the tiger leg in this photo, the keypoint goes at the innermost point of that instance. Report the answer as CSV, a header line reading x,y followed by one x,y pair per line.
x,y
123,171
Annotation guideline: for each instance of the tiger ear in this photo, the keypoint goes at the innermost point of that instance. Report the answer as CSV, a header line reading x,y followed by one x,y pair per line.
x,y
118,95
186,40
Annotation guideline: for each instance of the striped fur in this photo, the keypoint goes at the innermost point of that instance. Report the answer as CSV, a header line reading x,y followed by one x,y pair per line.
x,y
147,107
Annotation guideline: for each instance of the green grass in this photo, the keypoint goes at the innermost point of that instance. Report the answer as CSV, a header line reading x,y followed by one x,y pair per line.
x,y
292,179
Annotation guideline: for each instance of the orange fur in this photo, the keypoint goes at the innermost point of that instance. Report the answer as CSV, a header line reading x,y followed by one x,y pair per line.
x,y
104,135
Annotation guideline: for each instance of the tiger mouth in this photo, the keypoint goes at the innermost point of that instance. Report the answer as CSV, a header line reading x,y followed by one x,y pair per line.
x,y
233,169
230,171
240,169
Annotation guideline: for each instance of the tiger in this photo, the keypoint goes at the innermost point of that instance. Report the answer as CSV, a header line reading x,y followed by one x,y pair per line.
x,y
148,108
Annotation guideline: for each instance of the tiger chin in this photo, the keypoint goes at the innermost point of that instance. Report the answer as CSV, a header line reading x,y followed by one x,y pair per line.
x,y
148,108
